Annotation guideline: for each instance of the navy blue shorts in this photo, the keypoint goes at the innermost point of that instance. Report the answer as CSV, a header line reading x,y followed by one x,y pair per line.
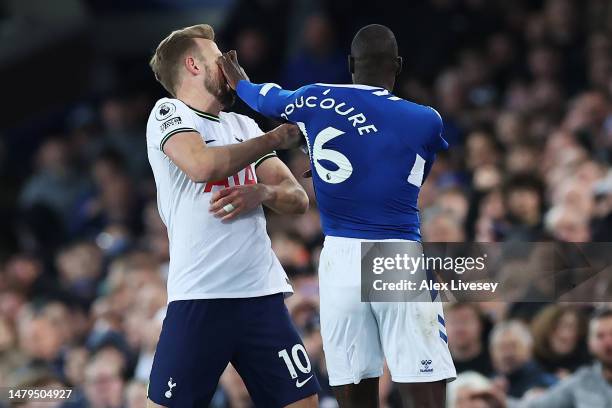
x,y
200,337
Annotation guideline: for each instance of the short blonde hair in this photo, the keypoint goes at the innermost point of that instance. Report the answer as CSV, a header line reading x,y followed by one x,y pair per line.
x,y
165,63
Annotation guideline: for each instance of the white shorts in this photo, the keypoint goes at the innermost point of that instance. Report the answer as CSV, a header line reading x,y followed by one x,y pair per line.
x,y
358,336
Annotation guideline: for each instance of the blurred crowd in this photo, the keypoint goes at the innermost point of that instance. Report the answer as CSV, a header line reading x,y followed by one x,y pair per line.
x,y
525,91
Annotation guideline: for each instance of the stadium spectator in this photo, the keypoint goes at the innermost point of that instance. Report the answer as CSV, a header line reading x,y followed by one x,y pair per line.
x,y
464,391
523,197
319,59
104,386
55,184
40,340
441,226
511,352
80,267
75,361
559,339
466,336
590,385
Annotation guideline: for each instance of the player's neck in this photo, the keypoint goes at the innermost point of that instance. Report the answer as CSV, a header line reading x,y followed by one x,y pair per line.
x,y
199,99
375,82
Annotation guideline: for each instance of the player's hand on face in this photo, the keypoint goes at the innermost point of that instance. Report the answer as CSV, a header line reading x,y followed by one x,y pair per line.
x,y
241,199
289,136
228,62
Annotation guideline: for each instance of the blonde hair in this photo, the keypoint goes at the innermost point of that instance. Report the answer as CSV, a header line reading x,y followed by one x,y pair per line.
x,y
468,379
165,63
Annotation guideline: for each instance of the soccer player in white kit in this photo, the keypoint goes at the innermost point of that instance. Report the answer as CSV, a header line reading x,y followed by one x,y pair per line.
x,y
213,171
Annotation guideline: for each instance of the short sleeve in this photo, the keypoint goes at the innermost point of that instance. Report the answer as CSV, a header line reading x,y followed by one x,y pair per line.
x,y
168,118
436,141
253,128
254,131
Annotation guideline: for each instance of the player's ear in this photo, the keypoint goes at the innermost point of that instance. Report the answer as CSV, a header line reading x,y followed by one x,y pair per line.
x,y
351,63
400,65
192,65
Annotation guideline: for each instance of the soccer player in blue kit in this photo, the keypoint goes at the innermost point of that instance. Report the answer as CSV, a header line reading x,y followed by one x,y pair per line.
x,y
370,152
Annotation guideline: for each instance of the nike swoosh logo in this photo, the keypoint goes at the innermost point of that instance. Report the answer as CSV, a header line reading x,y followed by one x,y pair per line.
x,y
301,384
210,141
240,140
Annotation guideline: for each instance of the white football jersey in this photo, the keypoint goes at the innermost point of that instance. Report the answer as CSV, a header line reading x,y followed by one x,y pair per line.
x,y
208,258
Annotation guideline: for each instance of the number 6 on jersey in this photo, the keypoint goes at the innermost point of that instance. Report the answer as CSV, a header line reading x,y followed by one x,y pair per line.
x,y
345,168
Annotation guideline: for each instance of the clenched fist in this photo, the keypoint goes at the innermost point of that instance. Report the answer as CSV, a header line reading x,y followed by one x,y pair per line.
x,y
287,136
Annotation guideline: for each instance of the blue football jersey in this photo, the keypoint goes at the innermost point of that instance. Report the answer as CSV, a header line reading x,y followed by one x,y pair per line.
x,y
370,152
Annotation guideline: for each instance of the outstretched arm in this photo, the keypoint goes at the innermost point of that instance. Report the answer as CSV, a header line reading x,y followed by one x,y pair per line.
x,y
201,163
268,99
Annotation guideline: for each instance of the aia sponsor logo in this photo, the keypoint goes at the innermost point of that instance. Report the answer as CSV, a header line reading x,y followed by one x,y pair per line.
x,y
247,178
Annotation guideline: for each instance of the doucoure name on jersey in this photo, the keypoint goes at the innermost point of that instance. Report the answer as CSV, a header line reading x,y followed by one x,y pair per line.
x,y
249,178
358,120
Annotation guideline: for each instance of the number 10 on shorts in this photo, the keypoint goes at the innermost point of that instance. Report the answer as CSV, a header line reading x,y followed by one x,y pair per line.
x,y
294,360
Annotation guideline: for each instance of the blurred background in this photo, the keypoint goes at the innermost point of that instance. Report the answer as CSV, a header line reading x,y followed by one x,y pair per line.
x,y
524,88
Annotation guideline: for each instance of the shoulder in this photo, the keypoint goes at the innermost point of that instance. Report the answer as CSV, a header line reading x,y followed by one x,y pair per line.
x,y
583,374
435,118
167,118
587,372
423,112
165,108
346,86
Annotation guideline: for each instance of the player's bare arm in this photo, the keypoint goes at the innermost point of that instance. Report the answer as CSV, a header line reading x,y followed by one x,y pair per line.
x,y
286,195
201,163
277,189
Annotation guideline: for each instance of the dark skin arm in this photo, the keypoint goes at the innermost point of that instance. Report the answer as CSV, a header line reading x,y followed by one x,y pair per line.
x,y
232,70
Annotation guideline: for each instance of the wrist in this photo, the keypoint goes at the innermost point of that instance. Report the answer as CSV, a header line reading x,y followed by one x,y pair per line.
x,y
273,139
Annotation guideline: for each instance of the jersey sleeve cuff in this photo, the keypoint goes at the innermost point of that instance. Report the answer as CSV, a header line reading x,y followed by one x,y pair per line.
x,y
172,133
264,158
242,87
